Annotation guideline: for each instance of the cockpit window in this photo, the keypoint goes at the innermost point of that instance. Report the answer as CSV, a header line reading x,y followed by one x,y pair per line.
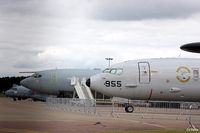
x,y
113,71
116,71
36,75
107,70
15,89
119,71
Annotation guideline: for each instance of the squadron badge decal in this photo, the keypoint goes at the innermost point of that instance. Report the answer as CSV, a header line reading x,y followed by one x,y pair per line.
x,y
183,74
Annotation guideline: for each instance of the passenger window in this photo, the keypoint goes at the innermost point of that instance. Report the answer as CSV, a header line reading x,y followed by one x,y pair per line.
x,y
196,74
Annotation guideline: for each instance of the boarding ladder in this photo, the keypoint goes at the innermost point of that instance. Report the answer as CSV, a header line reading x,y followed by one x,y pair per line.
x,y
81,88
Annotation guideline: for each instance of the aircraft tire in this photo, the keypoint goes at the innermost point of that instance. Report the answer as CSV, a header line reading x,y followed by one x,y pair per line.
x,y
129,109
34,100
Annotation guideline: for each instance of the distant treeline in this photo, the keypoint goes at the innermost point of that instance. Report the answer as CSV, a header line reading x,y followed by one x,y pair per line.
x,y
7,82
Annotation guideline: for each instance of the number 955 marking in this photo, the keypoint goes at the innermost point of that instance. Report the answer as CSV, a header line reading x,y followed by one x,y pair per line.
x,y
113,83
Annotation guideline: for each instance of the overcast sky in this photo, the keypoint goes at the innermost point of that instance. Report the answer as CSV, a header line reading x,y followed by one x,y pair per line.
x,y
47,34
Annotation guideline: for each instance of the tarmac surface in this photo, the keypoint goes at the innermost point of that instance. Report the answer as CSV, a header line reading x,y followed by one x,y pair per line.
x,y
36,117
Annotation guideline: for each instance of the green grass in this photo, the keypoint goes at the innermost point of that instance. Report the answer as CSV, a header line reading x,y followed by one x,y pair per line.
x,y
153,131
2,95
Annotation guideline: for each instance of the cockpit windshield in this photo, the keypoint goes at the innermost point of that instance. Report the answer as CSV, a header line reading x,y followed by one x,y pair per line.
x,y
15,89
107,70
116,71
36,75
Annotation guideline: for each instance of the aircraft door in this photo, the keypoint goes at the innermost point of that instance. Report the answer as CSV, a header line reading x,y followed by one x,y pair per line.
x,y
144,72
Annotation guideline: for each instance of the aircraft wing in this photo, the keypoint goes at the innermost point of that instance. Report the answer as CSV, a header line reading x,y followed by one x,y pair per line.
x,y
29,72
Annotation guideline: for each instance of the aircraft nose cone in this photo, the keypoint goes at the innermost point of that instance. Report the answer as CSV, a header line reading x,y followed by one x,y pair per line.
x,y
31,83
23,82
6,93
95,83
9,93
88,82
26,82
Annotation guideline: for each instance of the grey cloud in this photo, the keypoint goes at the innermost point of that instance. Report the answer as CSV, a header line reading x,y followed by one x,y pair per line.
x,y
20,6
101,9
40,8
145,9
19,47
28,63
19,57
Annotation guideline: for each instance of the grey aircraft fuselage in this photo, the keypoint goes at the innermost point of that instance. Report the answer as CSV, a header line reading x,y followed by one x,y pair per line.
x,y
22,93
18,92
167,79
56,81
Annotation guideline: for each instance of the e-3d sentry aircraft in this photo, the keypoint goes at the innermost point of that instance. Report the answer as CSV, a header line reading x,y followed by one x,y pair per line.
x,y
169,79
57,81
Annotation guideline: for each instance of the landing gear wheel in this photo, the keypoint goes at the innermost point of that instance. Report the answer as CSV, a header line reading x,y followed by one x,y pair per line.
x,y
129,109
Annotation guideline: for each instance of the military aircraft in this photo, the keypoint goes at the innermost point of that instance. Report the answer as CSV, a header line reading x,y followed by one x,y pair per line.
x,y
56,81
23,93
18,92
167,79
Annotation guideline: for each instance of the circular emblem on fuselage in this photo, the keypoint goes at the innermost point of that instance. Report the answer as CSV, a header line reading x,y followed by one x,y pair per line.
x,y
183,74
